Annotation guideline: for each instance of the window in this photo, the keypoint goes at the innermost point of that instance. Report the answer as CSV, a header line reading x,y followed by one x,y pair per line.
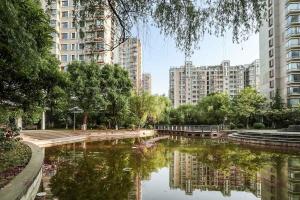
x,y
64,24
270,22
64,35
293,7
270,12
293,19
293,43
294,90
293,102
271,42
64,47
271,63
64,58
73,36
271,32
99,46
65,14
272,84
73,47
293,30
271,74
81,57
271,53
294,78
81,46
293,66
100,34
293,54
65,3
73,57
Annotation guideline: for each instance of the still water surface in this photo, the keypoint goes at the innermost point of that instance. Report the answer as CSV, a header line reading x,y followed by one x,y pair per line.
x,y
181,169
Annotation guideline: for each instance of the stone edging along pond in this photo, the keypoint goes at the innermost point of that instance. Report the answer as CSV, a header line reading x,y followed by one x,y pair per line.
x,y
26,184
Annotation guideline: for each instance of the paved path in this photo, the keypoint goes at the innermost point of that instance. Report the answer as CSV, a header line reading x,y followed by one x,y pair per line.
x,y
47,138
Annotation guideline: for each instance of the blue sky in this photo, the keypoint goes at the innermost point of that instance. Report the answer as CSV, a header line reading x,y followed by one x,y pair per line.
x,y
160,53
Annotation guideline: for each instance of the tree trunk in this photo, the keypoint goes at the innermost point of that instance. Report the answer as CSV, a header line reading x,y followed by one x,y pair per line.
x,y
84,123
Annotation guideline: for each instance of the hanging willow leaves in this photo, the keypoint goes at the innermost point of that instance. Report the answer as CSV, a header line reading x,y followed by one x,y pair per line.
x,y
187,21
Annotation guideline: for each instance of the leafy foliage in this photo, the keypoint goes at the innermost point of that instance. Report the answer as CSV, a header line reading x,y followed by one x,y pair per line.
x,y
27,68
187,21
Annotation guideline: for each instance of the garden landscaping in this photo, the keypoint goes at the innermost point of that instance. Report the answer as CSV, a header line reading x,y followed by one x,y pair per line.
x,y
14,155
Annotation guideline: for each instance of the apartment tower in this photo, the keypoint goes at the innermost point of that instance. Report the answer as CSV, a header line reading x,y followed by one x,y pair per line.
x,y
189,84
146,83
88,40
130,57
280,51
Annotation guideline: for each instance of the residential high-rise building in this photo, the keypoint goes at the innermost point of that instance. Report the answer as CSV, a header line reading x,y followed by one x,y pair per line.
x,y
130,57
146,83
252,75
91,39
189,84
280,51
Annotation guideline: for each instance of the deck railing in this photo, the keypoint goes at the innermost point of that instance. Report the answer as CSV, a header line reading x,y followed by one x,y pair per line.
x,y
189,128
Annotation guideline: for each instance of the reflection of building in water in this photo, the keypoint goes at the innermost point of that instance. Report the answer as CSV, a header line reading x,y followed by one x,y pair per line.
x,y
281,181
189,174
136,191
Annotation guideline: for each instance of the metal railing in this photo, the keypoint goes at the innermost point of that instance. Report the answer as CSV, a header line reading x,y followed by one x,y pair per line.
x,y
189,128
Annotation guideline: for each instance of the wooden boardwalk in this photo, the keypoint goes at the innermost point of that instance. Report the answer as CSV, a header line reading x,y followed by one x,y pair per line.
x,y
47,138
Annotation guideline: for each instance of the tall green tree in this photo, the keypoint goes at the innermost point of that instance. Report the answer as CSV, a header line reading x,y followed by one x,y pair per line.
x,y
277,102
26,64
85,80
116,88
248,103
215,108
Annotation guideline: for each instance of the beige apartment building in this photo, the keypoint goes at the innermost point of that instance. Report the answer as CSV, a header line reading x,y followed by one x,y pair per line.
x,y
130,57
252,74
147,83
279,41
188,84
82,41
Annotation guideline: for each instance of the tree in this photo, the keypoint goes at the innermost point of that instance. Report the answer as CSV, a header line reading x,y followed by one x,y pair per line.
x,y
185,20
25,40
247,103
215,108
85,81
116,89
148,108
277,101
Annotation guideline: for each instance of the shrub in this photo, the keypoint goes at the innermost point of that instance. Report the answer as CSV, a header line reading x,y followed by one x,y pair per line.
x,y
240,125
258,125
232,126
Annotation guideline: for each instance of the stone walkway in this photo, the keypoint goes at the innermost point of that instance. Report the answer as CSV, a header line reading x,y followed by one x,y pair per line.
x,y
47,138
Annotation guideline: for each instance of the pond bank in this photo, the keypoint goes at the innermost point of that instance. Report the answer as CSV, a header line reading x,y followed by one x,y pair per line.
x,y
48,138
26,184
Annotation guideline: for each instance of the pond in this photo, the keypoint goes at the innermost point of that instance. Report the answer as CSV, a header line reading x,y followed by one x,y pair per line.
x,y
171,170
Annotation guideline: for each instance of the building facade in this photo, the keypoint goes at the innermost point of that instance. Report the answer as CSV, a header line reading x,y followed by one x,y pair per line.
x,y
252,75
147,83
280,51
91,39
189,84
129,56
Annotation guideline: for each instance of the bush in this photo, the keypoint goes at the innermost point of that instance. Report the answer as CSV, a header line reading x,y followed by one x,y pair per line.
x,y
258,125
240,125
232,126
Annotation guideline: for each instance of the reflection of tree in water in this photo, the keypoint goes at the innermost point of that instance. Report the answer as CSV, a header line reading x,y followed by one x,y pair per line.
x,y
101,174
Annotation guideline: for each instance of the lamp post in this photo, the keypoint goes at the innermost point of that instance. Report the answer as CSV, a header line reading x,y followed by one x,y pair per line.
x,y
75,110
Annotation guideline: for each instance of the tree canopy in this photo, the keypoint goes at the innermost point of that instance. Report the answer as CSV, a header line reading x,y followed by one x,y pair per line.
x,y
27,71
187,21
